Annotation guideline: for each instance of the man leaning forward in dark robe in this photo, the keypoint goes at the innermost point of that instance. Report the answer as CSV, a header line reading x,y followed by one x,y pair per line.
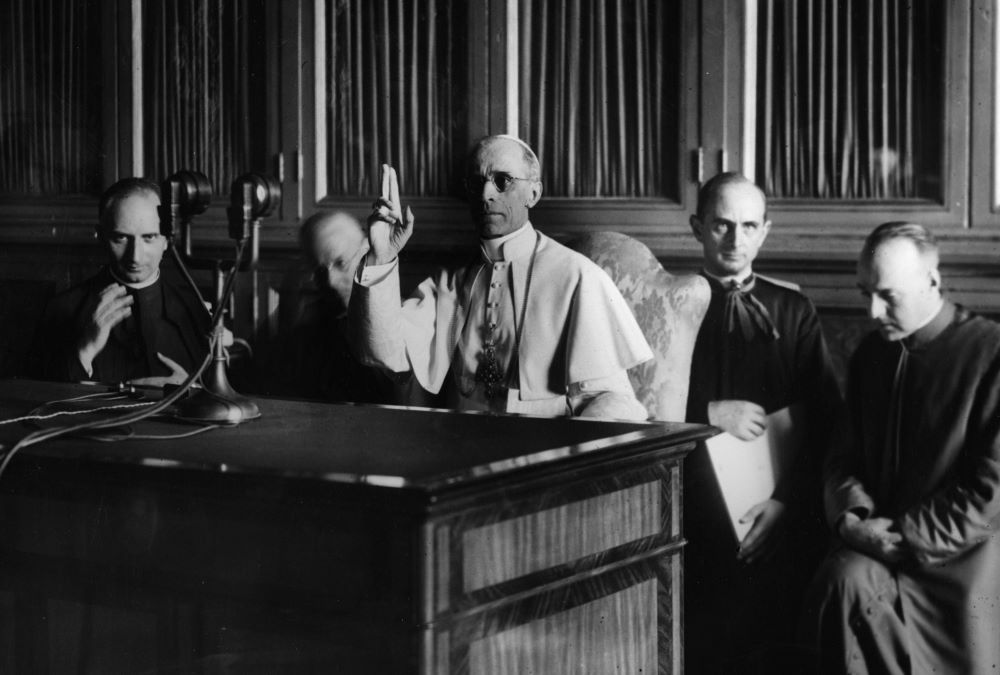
x,y
127,323
914,584
759,350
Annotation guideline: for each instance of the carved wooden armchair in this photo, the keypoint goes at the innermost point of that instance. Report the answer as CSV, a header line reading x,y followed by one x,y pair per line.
x,y
669,309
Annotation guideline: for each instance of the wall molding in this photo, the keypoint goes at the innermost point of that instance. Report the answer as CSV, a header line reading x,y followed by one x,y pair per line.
x,y
35,241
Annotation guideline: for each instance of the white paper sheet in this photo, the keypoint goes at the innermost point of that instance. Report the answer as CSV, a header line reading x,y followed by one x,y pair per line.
x,y
747,471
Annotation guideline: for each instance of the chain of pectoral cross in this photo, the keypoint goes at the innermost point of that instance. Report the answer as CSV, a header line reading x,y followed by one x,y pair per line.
x,y
489,372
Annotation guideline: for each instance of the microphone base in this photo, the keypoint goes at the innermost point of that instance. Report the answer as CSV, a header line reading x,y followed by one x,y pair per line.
x,y
209,407
217,402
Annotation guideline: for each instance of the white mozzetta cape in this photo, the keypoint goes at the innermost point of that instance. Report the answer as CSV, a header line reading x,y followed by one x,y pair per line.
x,y
577,325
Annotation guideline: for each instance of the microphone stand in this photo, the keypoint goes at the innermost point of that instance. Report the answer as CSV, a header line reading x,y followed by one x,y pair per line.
x,y
252,197
217,402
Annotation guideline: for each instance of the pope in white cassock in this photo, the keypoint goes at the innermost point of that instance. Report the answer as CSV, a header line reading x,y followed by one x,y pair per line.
x,y
529,327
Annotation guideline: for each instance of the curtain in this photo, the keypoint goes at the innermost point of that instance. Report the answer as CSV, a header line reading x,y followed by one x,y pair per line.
x,y
395,94
50,97
204,93
850,98
599,88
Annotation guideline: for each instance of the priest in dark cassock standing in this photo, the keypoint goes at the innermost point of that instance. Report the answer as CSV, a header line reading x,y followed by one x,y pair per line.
x,y
127,323
913,585
759,350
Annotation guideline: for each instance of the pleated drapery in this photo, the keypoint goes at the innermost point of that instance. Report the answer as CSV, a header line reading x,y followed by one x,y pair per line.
x,y
599,94
204,94
850,98
50,97
396,94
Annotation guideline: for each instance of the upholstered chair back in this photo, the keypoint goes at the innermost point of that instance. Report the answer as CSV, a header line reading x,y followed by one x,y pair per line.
x,y
669,309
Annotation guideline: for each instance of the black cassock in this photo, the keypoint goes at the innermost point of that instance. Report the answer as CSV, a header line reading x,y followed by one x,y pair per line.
x,y
313,359
166,318
733,610
925,417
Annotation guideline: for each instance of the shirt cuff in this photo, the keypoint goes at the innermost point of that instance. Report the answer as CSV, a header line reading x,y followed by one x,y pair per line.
x,y
373,274
609,397
618,382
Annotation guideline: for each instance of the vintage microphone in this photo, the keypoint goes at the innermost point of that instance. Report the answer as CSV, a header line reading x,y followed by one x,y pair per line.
x,y
252,197
184,195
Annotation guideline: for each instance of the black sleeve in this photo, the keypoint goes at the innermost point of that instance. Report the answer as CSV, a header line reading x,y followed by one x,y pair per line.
x,y
53,353
823,411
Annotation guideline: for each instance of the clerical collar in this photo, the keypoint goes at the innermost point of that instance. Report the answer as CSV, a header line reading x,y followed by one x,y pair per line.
x,y
519,243
934,327
741,310
138,285
727,282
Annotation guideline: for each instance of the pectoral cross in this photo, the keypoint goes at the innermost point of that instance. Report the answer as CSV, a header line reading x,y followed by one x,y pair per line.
x,y
489,371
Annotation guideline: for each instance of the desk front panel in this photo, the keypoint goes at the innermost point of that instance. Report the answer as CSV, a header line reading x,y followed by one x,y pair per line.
x,y
501,545
580,577
131,571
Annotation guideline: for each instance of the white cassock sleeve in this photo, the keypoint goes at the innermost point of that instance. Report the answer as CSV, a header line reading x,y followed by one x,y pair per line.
x,y
580,340
607,397
416,336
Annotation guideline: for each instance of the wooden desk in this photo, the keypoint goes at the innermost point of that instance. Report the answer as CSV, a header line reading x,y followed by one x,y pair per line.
x,y
339,538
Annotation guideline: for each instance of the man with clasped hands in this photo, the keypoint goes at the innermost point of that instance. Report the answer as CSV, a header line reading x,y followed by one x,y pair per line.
x,y
912,584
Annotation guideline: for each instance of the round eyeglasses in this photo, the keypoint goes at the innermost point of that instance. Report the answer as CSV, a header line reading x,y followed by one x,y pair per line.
x,y
500,179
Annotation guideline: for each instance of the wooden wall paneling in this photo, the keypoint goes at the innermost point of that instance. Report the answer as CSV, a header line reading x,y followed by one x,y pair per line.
x,y
985,197
293,98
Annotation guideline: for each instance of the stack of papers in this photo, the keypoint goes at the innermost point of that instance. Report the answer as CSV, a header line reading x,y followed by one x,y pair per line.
x,y
747,471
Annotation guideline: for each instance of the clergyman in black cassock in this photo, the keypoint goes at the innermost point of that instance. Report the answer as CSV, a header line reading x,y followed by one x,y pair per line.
x,y
913,585
126,324
166,319
759,350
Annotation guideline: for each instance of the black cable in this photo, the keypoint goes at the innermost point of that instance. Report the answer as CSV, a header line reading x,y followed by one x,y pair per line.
x,y
37,414
41,435
81,411
128,418
186,434
187,275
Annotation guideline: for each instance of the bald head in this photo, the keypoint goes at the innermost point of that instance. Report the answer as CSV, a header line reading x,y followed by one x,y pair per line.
x,y
898,275
333,244
129,229
111,199
919,237
713,188
731,224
